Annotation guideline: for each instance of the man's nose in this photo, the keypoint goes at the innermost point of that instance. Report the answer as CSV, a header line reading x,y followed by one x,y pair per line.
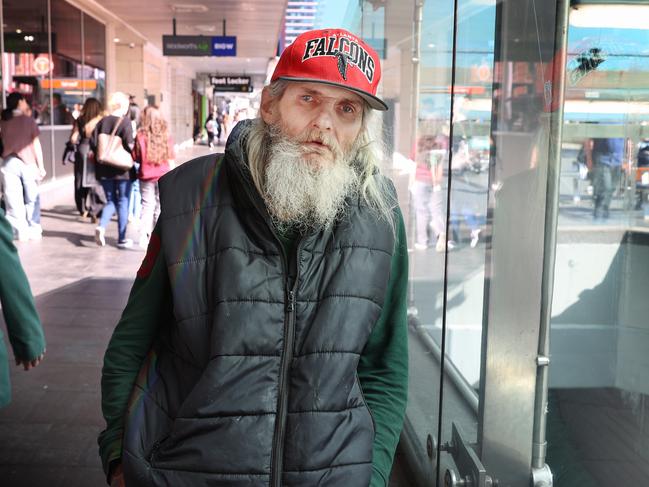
x,y
323,119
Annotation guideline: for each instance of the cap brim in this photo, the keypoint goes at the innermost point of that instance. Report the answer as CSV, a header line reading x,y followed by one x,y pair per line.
x,y
373,101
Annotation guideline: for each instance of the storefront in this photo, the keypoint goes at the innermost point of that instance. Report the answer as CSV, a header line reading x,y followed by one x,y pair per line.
x,y
55,54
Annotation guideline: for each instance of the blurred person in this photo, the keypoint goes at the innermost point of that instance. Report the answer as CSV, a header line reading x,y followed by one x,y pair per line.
x,y
154,152
219,126
426,192
116,182
22,168
87,201
210,128
604,158
265,337
24,328
60,113
133,113
227,121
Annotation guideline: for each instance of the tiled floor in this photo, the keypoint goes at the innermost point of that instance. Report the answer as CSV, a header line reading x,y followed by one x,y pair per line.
x,y
48,433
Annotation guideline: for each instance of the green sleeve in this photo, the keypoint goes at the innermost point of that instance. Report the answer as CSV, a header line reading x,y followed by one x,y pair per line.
x,y
383,366
149,304
23,324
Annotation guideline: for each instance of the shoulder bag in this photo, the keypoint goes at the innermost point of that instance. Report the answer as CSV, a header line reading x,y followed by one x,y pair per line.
x,y
111,152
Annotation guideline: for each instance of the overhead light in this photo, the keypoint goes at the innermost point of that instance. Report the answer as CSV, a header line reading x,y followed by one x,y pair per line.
x,y
29,38
116,40
189,8
609,15
19,31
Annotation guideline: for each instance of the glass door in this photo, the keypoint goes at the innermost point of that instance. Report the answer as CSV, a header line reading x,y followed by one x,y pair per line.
x,y
598,429
488,124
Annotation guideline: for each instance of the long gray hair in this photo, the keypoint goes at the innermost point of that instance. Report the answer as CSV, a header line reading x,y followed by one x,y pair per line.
x,y
374,190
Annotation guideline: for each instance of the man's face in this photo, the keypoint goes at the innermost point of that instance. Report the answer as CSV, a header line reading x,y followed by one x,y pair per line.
x,y
325,119
313,132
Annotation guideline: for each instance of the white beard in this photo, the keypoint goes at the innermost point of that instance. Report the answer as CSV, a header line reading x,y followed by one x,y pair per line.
x,y
300,194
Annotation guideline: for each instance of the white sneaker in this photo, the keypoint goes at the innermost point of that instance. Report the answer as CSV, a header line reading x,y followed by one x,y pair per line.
x,y
126,244
100,236
475,237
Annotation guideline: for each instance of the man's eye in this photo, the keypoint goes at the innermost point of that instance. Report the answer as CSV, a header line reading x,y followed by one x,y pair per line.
x,y
307,98
349,108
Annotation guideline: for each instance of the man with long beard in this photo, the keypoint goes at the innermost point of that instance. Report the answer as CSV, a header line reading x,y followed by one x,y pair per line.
x,y
264,342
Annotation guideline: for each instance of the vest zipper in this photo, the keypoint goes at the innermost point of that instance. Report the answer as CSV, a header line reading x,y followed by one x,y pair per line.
x,y
285,366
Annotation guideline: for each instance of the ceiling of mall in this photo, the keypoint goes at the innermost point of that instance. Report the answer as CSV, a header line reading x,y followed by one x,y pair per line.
x,y
256,24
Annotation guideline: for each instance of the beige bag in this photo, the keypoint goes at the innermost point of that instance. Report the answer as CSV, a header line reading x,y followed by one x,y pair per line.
x,y
111,152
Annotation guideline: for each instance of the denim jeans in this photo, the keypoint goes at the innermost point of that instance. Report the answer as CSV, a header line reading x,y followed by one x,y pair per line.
x,y
117,192
605,179
150,207
19,181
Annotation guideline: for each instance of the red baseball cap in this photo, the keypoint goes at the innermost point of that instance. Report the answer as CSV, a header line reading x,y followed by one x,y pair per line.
x,y
334,57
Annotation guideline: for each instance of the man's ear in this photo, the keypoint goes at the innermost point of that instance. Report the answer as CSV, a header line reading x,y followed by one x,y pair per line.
x,y
267,108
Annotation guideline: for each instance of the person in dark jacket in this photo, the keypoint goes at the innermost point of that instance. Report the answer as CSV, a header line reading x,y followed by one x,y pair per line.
x,y
116,182
264,342
88,199
23,324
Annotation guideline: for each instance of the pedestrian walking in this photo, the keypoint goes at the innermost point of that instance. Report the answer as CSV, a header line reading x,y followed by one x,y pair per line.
x,y
210,128
24,328
155,153
114,134
88,195
265,338
604,158
22,168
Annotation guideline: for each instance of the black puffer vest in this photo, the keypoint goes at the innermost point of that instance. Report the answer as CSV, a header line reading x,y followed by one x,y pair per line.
x,y
254,383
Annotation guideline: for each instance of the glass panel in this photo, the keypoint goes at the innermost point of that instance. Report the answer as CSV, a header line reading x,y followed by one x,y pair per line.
x,y
66,76
469,168
94,74
26,62
599,388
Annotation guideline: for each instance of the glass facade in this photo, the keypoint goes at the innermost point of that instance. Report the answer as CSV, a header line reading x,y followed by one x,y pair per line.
x,y
517,141
55,55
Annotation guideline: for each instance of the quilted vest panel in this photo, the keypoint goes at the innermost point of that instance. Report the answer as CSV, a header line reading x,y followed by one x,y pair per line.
x,y
251,375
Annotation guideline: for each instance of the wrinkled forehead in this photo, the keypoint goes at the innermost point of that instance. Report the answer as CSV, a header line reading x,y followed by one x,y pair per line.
x,y
325,91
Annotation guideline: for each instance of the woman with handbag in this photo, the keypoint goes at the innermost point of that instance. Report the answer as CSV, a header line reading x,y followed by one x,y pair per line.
x,y
78,147
155,153
112,143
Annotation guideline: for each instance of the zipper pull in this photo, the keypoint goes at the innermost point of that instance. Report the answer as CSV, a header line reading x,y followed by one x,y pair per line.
x,y
291,301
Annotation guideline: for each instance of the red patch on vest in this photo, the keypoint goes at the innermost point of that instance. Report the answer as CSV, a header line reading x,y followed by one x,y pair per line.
x,y
152,252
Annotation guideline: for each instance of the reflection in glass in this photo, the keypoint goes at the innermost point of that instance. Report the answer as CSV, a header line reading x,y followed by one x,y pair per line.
x,y
599,392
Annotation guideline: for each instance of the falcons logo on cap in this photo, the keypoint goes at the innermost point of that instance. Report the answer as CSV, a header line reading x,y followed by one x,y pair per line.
x,y
343,62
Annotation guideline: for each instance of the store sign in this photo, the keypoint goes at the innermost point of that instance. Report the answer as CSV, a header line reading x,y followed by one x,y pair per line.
x,y
224,46
199,46
42,65
240,84
69,84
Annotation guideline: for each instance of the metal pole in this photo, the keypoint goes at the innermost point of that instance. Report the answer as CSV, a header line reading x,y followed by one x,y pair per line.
x,y
83,59
539,446
173,26
416,74
224,24
49,53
